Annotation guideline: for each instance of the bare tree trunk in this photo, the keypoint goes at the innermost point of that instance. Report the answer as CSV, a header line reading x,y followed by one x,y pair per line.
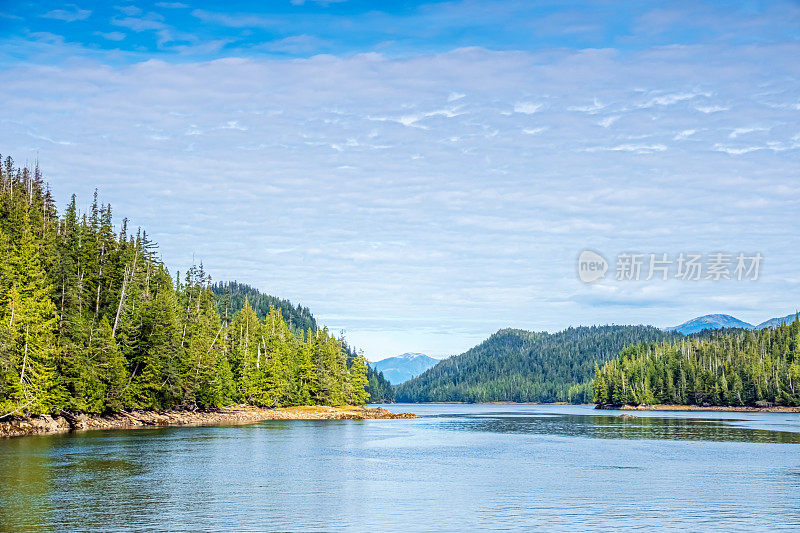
x,y
25,357
125,281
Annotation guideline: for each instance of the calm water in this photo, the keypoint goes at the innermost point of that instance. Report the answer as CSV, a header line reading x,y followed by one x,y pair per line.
x,y
460,467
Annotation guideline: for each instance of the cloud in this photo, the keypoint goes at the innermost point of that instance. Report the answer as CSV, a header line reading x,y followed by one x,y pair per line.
x,y
172,5
528,108
111,36
70,13
670,99
711,109
351,184
151,21
608,121
742,131
296,44
637,148
130,10
236,20
323,3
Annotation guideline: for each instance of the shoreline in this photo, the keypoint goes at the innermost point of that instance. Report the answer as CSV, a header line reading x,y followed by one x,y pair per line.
x,y
711,408
65,422
654,407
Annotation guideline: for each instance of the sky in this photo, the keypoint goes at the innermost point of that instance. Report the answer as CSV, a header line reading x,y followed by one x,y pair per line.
x,y
422,174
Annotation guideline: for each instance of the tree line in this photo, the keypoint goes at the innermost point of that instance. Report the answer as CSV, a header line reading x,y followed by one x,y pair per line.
x,y
726,368
92,321
231,297
523,366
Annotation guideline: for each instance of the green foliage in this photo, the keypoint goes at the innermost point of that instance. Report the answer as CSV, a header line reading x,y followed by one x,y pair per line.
x,y
90,320
231,295
724,367
378,387
522,366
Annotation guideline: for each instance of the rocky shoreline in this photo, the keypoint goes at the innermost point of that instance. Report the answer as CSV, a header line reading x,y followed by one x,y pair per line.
x,y
718,408
64,422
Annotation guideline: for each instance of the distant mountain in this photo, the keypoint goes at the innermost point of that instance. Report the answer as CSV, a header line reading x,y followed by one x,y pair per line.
x,y
404,367
775,322
522,366
710,322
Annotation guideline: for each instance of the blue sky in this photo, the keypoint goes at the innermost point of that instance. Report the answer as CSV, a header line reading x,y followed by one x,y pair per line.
x,y
423,174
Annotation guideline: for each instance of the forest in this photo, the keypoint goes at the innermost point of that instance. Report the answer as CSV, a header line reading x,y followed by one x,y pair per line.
x,y
522,366
231,297
721,368
92,321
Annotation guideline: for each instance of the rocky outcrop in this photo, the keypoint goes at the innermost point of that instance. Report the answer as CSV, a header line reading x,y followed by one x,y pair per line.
x,y
65,421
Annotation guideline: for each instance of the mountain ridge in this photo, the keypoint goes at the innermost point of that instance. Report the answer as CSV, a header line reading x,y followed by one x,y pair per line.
x,y
400,368
723,321
524,366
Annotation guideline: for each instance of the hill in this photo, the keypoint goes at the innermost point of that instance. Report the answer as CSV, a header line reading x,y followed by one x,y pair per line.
x,y
710,322
522,366
403,367
730,367
230,297
775,322
92,321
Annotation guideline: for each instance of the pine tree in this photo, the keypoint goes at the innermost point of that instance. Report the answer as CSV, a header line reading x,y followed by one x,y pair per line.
x,y
31,318
358,381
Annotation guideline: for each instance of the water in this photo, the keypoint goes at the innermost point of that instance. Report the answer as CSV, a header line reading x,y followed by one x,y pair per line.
x,y
459,468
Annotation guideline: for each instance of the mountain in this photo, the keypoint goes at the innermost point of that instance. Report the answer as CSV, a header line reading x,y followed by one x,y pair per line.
x,y
775,322
522,366
710,322
404,367
731,367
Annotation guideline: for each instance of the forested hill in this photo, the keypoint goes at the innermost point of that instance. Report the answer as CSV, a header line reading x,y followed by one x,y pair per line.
x,y
90,320
231,296
521,366
726,367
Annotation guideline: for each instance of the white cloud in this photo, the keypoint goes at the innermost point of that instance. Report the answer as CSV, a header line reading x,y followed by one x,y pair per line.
x,y
637,148
111,36
296,44
608,121
151,21
742,131
527,108
591,109
235,20
711,109
672,98
348,184
130,10
70,13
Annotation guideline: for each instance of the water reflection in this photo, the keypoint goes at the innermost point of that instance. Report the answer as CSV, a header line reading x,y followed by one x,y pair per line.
x,y
25,483
457,468
615,427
